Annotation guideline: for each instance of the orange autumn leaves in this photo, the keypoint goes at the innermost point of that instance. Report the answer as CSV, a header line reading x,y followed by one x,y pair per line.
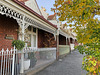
x,y
79,14
91,64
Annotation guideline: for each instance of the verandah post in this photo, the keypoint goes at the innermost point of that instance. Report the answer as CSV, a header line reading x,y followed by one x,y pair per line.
x,y
69,44
22,53
57,52
66,40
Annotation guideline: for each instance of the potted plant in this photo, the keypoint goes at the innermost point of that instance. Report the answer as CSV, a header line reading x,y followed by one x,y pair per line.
x,y
19,45
32,58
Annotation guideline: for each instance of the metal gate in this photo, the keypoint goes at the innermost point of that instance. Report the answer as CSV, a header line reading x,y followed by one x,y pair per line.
x,y
8,62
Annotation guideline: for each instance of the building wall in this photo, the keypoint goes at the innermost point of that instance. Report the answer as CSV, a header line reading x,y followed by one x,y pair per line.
x,y
62,40
63,49
45,39
8,26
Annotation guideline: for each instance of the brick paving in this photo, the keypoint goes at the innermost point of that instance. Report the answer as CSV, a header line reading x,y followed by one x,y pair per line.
x,y
70,65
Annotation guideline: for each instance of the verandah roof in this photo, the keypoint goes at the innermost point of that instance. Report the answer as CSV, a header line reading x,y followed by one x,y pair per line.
x,y
14,10
33,12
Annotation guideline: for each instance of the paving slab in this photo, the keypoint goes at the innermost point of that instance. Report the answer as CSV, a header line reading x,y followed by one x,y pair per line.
x,y
70,65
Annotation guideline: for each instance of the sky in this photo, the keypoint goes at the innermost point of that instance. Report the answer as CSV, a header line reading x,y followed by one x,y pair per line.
x,y
48,4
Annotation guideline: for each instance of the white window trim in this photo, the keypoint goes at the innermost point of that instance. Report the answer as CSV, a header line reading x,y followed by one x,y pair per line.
x,y
32,33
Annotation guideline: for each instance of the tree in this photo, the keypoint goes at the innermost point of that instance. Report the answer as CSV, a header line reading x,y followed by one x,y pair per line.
x,y
80,14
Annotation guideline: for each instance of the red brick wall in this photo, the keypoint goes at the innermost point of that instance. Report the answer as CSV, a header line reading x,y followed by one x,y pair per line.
x,y
8,26
43,39
62,40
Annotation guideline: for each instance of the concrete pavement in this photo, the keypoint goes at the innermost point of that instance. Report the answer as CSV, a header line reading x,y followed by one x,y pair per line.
x,y
70,65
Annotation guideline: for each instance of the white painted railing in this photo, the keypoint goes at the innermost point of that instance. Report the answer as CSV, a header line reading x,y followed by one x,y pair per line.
x,y
7,58
10,63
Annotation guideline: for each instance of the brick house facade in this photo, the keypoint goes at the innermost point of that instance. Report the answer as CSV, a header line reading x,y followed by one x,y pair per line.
x,y
8,26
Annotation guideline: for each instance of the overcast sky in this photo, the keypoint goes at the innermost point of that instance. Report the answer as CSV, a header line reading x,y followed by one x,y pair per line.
x,y
48,4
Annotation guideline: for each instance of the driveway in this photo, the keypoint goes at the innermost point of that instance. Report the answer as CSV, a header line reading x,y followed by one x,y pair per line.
x,y
70,65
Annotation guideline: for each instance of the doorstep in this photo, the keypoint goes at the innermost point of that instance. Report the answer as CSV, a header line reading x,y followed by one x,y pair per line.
x,y
38,67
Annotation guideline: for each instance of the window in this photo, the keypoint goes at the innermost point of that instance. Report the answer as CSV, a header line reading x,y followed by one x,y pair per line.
x,y
29,28
34,30
34,40
32,37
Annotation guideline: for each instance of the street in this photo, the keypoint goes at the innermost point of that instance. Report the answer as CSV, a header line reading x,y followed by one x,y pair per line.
x,y
70,65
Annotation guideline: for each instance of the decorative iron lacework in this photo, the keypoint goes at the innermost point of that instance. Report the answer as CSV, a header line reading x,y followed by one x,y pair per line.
x,y
32,22
20,18
11,13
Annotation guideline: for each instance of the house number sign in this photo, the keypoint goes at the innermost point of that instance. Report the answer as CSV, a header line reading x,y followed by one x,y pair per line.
x,y
9,37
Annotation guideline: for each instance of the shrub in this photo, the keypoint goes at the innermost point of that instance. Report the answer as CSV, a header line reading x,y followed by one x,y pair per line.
x,y
18,44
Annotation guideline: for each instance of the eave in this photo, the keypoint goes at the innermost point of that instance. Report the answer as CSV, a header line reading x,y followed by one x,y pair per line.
x,y
33,12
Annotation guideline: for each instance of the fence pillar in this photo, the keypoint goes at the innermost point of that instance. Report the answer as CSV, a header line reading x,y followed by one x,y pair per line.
x,y
57,40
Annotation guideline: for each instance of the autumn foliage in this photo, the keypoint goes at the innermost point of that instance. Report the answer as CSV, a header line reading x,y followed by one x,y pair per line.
x,y
80,15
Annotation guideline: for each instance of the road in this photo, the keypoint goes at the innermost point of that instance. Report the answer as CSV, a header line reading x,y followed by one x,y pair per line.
x,y
70,65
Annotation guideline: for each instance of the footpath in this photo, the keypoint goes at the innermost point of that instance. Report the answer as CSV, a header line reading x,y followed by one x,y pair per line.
x,y
70,65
